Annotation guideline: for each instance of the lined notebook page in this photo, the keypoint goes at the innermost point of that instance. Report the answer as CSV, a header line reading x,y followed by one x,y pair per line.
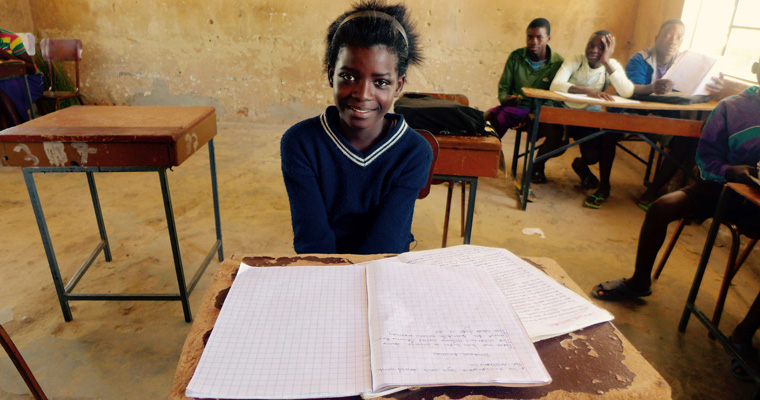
x,y
445,326
545,307
288,332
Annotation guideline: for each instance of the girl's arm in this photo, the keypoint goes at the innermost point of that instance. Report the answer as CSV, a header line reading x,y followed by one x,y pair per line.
x,y
620,81
712,150
311,229
562,83
391,229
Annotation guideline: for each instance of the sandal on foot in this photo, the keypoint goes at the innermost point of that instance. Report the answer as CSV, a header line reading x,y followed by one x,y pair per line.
x,y
644,204
594,201
538,177
749,354
588,180
617,290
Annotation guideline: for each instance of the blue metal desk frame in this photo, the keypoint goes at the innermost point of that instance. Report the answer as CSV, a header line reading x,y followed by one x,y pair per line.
x,y
65,292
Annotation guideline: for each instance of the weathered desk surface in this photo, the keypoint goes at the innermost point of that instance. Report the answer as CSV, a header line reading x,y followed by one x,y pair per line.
x,y
12,68
584,364
98,136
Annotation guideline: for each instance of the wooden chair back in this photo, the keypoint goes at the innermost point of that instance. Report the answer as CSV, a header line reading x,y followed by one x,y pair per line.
x,y
433,145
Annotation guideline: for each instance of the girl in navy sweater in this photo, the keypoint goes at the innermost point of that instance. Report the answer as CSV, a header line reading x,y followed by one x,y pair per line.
x,y
353,173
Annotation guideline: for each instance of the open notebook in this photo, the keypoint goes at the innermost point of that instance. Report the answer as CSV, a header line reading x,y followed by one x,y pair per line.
x,y
333,331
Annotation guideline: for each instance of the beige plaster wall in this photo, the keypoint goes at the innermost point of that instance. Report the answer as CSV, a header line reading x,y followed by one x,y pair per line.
x,y
16,16
262,60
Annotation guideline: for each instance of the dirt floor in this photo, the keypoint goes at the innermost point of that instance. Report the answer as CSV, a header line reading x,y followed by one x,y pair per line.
x,y
129,349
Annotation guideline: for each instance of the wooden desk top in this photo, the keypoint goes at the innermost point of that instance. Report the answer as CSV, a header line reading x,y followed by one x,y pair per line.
x,y
109,136
597,360
12,68
642,105
749,192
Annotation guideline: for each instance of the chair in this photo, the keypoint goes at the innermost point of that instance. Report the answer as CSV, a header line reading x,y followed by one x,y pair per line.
x,y
21,366
461,99
735,260
433,145
61,50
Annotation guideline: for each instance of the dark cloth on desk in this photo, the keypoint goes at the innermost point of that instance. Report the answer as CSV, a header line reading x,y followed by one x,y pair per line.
x,y
15,88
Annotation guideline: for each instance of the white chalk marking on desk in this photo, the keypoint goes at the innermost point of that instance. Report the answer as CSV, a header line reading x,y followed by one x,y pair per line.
x,y
84,150
191,140
29,156
534,231
55,153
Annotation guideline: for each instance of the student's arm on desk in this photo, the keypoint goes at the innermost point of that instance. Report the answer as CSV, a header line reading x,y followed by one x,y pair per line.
x,y
713,150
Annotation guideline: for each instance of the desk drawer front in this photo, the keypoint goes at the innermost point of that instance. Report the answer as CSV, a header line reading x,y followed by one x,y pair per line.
x,y
56,154
467,162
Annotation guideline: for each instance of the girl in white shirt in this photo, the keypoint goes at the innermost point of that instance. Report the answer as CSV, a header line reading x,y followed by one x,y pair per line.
x,y
590,74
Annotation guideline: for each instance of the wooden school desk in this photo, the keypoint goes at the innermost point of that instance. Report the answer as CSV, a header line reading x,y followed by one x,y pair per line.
x,y
584,364
113,139
464,159
752,194
606,122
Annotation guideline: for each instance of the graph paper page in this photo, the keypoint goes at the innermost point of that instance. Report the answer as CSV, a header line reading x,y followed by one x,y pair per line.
x,y
545,307
288,332
445,326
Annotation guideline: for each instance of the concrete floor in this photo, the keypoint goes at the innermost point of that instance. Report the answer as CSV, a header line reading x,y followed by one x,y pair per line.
x,y
129,350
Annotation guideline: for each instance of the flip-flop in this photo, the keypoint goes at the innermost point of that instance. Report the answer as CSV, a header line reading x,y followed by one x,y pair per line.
x,y
644,205
749,354
617,290
594,201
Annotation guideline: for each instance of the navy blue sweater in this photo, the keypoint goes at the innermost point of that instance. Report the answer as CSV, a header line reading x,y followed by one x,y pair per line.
x,y
343,201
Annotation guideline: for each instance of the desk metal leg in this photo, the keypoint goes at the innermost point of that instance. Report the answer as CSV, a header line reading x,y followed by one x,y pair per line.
x,y
175,244
47,243
29,96
99,215
470,208
527,172
215,193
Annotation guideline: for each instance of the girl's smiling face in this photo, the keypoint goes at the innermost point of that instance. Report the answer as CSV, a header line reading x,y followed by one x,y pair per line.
x,y
365,81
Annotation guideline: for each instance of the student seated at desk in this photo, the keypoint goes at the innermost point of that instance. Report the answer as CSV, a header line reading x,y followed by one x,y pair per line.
x,y
12,48
646,69
729,150
532,66
353,173
591,73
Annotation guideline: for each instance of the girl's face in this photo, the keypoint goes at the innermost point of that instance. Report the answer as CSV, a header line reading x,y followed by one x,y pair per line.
x,y
365,82
594,50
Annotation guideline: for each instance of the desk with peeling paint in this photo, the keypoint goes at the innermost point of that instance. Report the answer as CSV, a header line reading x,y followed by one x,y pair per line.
x,y
589,363
93,139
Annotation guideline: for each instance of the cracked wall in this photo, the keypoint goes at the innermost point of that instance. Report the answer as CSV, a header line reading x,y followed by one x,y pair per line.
x,y
262,60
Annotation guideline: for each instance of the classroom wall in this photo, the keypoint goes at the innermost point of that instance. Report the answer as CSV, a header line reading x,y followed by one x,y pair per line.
x,y
16,16
262,60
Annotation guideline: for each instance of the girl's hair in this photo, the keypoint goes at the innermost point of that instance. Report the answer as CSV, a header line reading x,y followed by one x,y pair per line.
x,y
603,32
372,23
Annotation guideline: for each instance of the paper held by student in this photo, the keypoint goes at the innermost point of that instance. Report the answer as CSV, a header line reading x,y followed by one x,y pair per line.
x,y
691,72
309,332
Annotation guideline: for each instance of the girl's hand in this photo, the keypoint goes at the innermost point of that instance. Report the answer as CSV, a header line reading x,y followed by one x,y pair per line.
x,y
599,95
741,174
512,100
609,48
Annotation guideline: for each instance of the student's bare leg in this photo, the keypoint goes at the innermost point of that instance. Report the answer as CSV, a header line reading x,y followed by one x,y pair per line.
x,y
668,208
749,325
680,148
606,159
554,139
